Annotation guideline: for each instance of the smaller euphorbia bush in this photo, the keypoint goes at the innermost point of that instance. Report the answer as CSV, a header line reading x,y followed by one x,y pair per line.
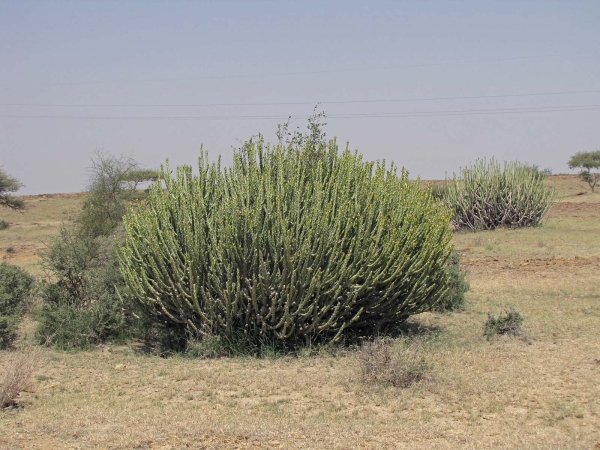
x,y
487,195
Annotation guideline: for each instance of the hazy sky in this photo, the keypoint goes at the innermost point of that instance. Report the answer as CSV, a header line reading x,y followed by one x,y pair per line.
x,y
118,76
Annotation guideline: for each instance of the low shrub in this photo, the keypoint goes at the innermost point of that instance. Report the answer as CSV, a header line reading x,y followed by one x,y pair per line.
x,y
397,363
16,287
458,286
69,326
8,330
486,196
506,323
4,225
82,306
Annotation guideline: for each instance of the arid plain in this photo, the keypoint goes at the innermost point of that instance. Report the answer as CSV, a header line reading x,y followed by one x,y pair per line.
x,y
537,391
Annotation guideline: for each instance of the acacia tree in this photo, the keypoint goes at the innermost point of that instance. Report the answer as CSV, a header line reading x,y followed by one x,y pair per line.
x,y
586,161
112,180
10,184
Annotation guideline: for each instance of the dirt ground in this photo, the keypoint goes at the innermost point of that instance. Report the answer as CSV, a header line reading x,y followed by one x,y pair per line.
x,y
537,391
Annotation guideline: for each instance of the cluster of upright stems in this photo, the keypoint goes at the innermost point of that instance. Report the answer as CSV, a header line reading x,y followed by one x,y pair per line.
x,y
486,196
286,243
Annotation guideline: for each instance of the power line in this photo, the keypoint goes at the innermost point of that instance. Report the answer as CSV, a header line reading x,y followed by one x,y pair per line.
x,y
310,72
332,116
470,97
470,113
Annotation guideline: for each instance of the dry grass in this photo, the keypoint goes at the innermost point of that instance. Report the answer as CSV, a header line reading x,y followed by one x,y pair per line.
x,y
30,231
570,188
16,377
506,394
392,362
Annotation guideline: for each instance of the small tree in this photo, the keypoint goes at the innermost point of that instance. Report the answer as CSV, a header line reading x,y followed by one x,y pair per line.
x,y
586,161
10,184
111,180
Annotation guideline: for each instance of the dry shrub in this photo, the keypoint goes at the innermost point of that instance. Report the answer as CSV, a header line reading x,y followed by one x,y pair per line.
x,y
16,377
397,363
507,323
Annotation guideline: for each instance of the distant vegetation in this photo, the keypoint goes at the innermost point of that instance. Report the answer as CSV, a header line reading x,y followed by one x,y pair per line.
x,y
113,181
586,162
9,184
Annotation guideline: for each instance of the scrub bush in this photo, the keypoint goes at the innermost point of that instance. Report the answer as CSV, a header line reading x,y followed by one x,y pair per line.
x,y
396,363
508,323
81,306
458,286
16,286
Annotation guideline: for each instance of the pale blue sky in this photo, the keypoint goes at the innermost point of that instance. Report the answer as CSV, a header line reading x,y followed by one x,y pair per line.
x,y
165,53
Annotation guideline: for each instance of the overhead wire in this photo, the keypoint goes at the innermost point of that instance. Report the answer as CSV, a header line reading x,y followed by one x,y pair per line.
x,y
334,102
307,72
542,109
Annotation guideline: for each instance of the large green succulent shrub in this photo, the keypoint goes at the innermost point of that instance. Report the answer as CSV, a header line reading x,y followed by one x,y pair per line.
x,y
293,244
487,195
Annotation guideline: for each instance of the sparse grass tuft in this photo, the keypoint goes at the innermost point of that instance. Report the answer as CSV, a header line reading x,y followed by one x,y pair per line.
x,y
397,363
508,323
208,347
